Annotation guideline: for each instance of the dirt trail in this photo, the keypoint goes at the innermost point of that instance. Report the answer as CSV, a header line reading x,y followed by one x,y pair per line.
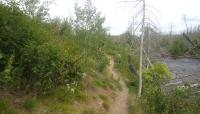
x,y
119,106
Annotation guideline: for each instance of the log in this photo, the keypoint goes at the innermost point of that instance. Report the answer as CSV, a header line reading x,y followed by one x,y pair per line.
x,y
131,66
188,39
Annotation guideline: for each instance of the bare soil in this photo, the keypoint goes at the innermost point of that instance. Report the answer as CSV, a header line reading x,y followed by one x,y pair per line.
x,y
120,104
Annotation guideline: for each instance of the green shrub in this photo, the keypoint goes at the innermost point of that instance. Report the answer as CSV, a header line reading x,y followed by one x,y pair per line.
x,y
3,105
70,92
106,106
81,96
30,104
156,101
16,32
12,22
90,111
5,108
102,65
103,97
102,62
105,82
47,66
65,94
6,75
178,47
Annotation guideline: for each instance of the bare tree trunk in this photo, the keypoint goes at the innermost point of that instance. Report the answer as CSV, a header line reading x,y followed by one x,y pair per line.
x,y
185,21
148,46
141,52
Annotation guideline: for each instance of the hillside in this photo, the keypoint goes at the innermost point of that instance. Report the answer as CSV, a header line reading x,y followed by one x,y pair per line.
x,y
59,67
75,66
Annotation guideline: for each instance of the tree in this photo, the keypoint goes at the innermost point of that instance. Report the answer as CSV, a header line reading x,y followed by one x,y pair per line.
x,y
34,8
66,28
88,18
140,21
141,50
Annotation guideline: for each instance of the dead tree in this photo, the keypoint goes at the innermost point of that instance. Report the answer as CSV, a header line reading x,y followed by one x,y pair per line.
x,y
132,66
141,18
141,50
188,39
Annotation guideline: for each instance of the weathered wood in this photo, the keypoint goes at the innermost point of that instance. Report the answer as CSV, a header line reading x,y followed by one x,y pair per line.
x,y
188,39
185,76
190,57
141,50
197,92
132,66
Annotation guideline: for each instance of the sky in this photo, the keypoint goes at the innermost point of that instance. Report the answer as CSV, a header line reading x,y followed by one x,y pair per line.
x,y
166,14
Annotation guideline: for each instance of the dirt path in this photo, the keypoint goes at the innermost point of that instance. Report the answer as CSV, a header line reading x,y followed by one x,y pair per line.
x,y
119,106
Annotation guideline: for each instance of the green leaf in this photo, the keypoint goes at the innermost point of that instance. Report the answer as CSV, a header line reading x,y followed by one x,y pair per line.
x,y
1,55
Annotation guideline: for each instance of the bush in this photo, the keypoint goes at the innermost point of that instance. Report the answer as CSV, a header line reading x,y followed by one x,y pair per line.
x,y
103,97
178,47
102,64
156,75
16,32
65,94
156,101
5,108
47,66
3,105
6,74
12,22
29,104
70,93
106,106
90,111
180,102
29,59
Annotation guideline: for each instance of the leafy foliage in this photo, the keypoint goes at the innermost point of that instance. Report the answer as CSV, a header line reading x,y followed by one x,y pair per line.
x,y
29,104
178,47
156,101
88,18
47,66
29,59
70,93
4,107
153,78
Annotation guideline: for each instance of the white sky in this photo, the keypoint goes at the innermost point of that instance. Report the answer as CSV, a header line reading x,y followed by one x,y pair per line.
x,y
118,14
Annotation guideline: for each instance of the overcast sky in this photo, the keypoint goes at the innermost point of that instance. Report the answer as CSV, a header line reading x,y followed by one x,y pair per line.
x,y
118,14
